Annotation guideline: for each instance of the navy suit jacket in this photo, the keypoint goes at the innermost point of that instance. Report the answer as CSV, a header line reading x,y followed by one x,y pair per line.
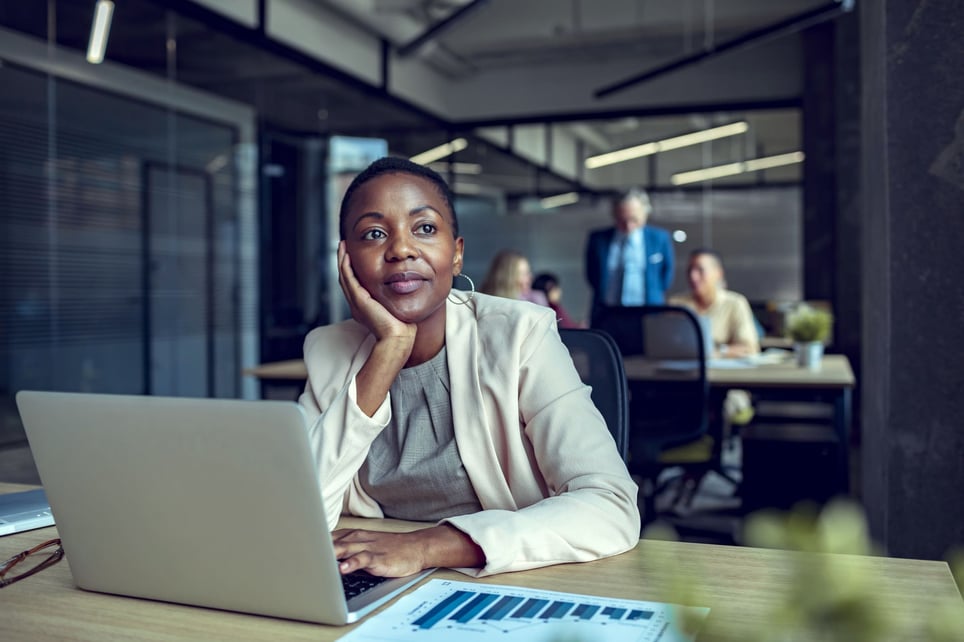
x,y
659,265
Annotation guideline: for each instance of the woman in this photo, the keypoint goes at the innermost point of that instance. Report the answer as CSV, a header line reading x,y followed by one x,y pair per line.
x,y
434,405
511,277
548,284
731,319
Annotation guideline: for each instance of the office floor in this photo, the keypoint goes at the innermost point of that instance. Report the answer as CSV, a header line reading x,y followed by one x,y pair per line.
x,y
714,515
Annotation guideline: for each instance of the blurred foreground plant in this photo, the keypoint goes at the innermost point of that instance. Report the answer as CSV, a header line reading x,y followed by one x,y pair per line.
x,y
830,597
832,600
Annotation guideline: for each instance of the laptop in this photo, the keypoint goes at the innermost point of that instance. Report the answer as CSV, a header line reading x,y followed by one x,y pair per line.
x,y
207,502
24,511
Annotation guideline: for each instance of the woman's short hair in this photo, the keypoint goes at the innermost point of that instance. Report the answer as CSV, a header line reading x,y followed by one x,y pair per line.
x,y
396,165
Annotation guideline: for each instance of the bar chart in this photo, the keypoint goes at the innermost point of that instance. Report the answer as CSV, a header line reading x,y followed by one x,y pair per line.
x,y
444,609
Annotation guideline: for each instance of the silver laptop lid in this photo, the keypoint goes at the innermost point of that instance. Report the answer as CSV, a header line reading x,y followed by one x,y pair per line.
x,y
199,501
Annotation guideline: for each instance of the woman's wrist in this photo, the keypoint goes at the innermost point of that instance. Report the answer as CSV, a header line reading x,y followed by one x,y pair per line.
x,y
375,378
448,547
395,348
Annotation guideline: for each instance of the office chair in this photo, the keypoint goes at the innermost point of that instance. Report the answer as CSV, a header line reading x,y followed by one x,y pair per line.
x,y
665,349
600,366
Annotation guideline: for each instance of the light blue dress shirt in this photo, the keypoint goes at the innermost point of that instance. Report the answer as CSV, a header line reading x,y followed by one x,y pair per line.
x,y
627,269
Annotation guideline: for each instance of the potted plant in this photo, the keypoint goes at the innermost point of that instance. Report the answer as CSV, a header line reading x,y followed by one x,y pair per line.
x,y
809,328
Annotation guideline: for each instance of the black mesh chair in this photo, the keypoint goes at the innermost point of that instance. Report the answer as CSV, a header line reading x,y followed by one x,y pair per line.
x,y
600,366
665,351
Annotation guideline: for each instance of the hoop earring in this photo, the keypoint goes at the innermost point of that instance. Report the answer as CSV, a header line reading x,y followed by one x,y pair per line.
x,y
457,300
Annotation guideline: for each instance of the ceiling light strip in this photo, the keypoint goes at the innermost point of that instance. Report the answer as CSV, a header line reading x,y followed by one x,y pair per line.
x,y
676,142
732,169
99,31
559,200
443,150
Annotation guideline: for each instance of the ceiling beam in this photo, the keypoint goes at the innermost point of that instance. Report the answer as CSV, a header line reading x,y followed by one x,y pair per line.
x,y
432,32
751,38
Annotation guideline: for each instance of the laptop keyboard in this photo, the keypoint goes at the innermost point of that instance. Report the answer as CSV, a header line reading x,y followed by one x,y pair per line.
x,y
358,582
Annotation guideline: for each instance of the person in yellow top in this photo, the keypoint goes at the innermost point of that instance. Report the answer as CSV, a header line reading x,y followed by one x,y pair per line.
x,y
731,320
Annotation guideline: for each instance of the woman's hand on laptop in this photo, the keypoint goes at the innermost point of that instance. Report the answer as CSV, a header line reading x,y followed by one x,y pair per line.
x,y
400,554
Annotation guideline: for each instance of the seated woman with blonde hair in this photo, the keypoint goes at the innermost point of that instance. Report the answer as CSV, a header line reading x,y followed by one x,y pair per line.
x,y
511,277
464,410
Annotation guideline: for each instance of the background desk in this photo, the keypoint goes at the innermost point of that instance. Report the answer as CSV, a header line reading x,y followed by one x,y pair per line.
x,y
835,373
833,381
741,585
280,379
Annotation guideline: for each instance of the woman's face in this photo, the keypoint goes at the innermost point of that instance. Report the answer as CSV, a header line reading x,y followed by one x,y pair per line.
x,y
399,236
524,276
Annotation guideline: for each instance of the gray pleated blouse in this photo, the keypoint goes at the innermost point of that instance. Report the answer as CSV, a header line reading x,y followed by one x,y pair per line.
x,y
414,470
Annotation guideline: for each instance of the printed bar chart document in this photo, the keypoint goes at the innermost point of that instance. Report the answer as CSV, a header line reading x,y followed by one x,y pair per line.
x,y
445,610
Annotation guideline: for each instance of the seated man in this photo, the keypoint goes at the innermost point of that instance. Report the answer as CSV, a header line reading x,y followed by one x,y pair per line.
x,y
731,320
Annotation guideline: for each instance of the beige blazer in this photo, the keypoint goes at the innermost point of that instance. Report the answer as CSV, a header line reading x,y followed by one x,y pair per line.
x,y
552,485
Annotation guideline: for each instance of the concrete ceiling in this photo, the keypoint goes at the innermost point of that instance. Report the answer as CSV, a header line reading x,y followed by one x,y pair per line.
x,y
507,62
498,34
517,77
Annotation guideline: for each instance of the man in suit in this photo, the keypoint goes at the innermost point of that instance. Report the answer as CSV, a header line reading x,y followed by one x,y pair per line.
x,y
632,262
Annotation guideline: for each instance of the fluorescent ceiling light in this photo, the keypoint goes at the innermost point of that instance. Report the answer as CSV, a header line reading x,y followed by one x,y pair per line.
x,y
436,153
559,200
648,149
458,168
99,31
732,169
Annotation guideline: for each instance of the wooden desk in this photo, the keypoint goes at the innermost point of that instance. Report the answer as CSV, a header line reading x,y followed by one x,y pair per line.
x,y
741,585
833,382
291,370
280,379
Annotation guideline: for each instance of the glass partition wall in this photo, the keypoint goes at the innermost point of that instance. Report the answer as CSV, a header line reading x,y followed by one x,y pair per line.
x,y
188,172
128,253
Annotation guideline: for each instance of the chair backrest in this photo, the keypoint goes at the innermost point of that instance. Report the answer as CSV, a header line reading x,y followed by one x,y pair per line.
x,y
666,350
600,366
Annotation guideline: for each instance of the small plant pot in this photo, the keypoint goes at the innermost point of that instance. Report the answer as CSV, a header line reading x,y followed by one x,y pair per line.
x,y
809,354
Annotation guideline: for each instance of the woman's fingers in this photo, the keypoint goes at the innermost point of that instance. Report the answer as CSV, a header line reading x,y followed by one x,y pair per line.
x,y
383,554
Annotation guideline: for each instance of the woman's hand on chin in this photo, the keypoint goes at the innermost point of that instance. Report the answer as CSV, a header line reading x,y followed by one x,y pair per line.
x,y
369,312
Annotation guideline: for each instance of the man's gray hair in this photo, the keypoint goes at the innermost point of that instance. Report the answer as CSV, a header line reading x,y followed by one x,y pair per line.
x,y
636,194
